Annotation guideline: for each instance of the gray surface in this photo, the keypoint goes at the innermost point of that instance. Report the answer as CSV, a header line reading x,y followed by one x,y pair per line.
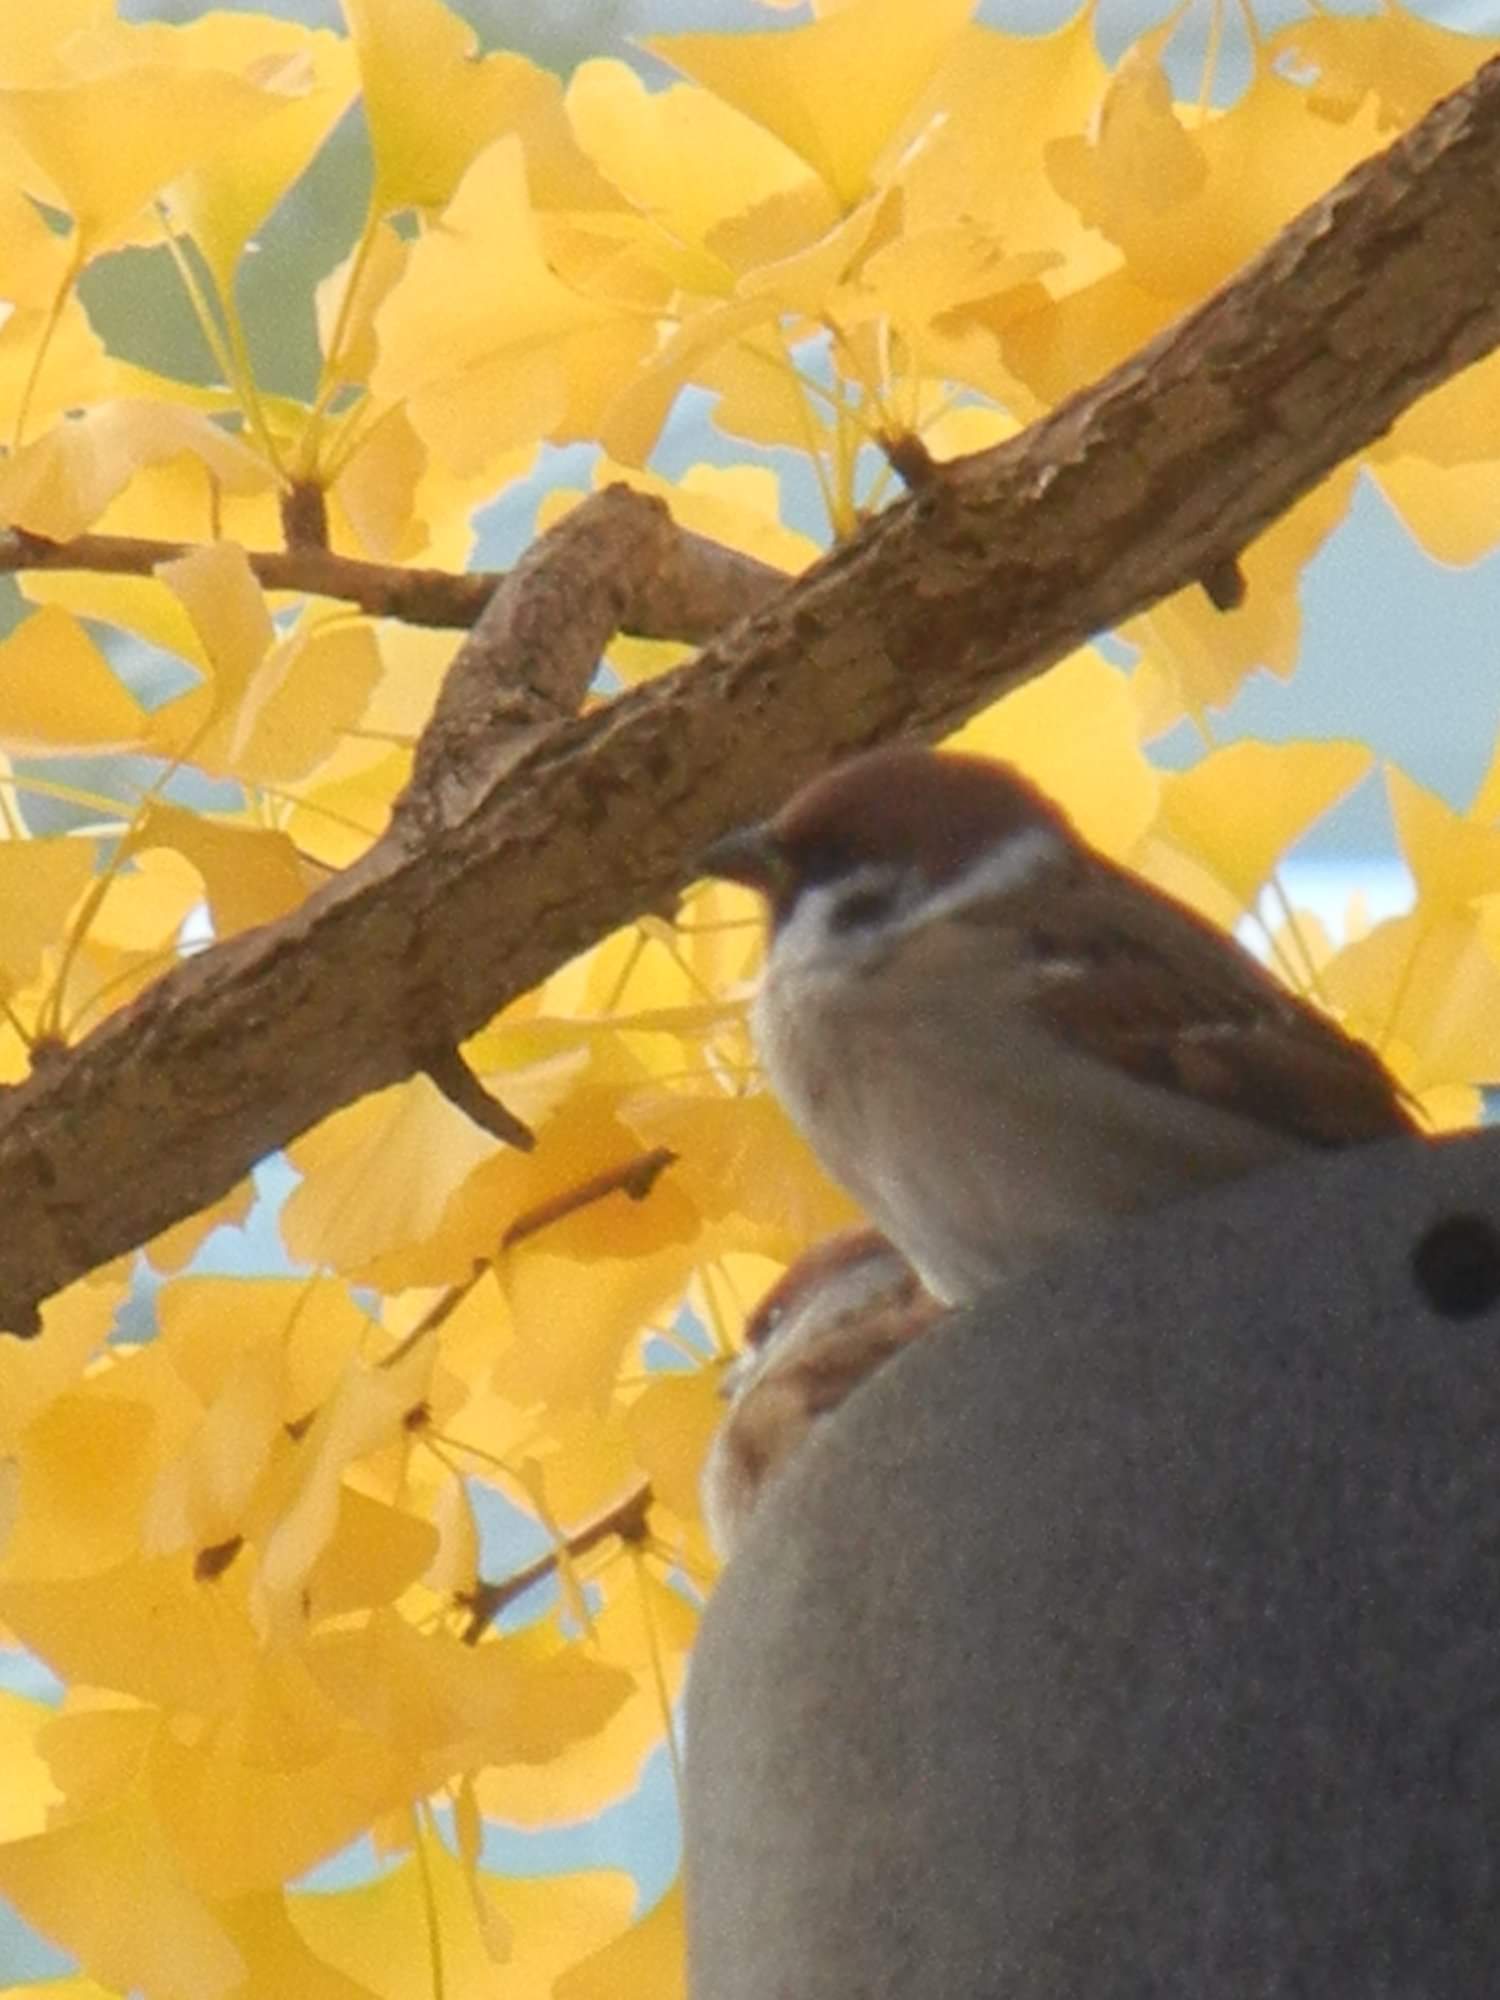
x,y
1136,1636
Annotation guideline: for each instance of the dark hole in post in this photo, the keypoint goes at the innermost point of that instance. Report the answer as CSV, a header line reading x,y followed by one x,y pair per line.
x,y
1457,1266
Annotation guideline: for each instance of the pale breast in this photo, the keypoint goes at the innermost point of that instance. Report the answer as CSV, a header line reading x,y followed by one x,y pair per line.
x,y
979,1146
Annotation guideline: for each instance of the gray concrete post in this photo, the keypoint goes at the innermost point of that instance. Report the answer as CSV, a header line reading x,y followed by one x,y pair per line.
x,y
1139,1634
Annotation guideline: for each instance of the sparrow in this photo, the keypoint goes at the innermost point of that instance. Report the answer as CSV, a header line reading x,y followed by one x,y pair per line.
x,y
996,1039
831,1319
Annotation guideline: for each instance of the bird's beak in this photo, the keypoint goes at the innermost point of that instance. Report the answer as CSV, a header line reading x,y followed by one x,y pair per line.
x,y
752,855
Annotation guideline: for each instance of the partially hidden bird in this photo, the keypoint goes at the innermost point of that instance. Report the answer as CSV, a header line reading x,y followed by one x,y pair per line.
x,y
841,1311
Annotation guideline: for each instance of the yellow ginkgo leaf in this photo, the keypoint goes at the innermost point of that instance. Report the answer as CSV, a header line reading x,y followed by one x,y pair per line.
x,y
839,91
374,496
681,156
1426,987
1484,808
36,258
309,73
516,348
1269,155
275,1785
1138,160
131,937
351,295
671,1423
378,1176
109,1890
641,1621
201,1497
313,1323
146,903
1081,335
425,139
95,1746
1076,731
574,1466
218,590
1202,654
41,882
522,1699
1452,510
368,1410
35,41
61,484
184,500
273,708
374,1552
75,1324
1437,465
806,278
650,1957
51,365
344,807
277,1955
1404,62
739,1158
1240,809
1454,858
58,693
944,290
177,1246
147,1627
633,418
138,604
999,98
413,661
102,145
311,687
1456,425
86,1466
1189,880
29,1791
251,874
382,1934
454,1568
585,1159
576,1308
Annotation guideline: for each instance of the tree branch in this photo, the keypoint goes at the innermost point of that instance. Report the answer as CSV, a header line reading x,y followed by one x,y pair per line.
x,y
1127,492
626,1517
698,589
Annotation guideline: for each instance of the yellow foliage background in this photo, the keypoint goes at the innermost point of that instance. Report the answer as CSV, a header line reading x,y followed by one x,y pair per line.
x,y
249,1547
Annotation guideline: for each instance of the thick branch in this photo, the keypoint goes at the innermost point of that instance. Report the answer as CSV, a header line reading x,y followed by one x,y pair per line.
x,y
1127,492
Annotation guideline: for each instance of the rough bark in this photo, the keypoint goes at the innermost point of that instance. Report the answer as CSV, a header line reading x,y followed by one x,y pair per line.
x,y
1155,477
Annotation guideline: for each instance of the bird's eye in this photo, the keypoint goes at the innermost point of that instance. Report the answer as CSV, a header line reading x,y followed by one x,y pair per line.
x,y
862,907
763,1325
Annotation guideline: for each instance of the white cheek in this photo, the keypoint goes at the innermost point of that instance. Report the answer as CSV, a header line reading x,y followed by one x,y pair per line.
x,y
815,973
811,947
1012,864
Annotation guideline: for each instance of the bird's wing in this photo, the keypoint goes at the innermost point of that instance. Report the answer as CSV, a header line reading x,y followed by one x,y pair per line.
x,y
1220,1028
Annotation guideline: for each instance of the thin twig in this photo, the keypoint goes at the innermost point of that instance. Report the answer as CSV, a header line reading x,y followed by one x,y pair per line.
x,y
626,1518
701,589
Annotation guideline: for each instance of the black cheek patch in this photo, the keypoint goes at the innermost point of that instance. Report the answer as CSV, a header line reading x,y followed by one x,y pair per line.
x,y
862,908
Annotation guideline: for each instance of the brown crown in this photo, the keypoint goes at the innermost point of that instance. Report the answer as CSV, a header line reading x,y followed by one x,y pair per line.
x,y
817,1267
937,809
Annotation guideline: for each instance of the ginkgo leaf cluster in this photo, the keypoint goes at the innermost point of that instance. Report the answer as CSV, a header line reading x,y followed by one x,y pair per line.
x,y
251,1546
